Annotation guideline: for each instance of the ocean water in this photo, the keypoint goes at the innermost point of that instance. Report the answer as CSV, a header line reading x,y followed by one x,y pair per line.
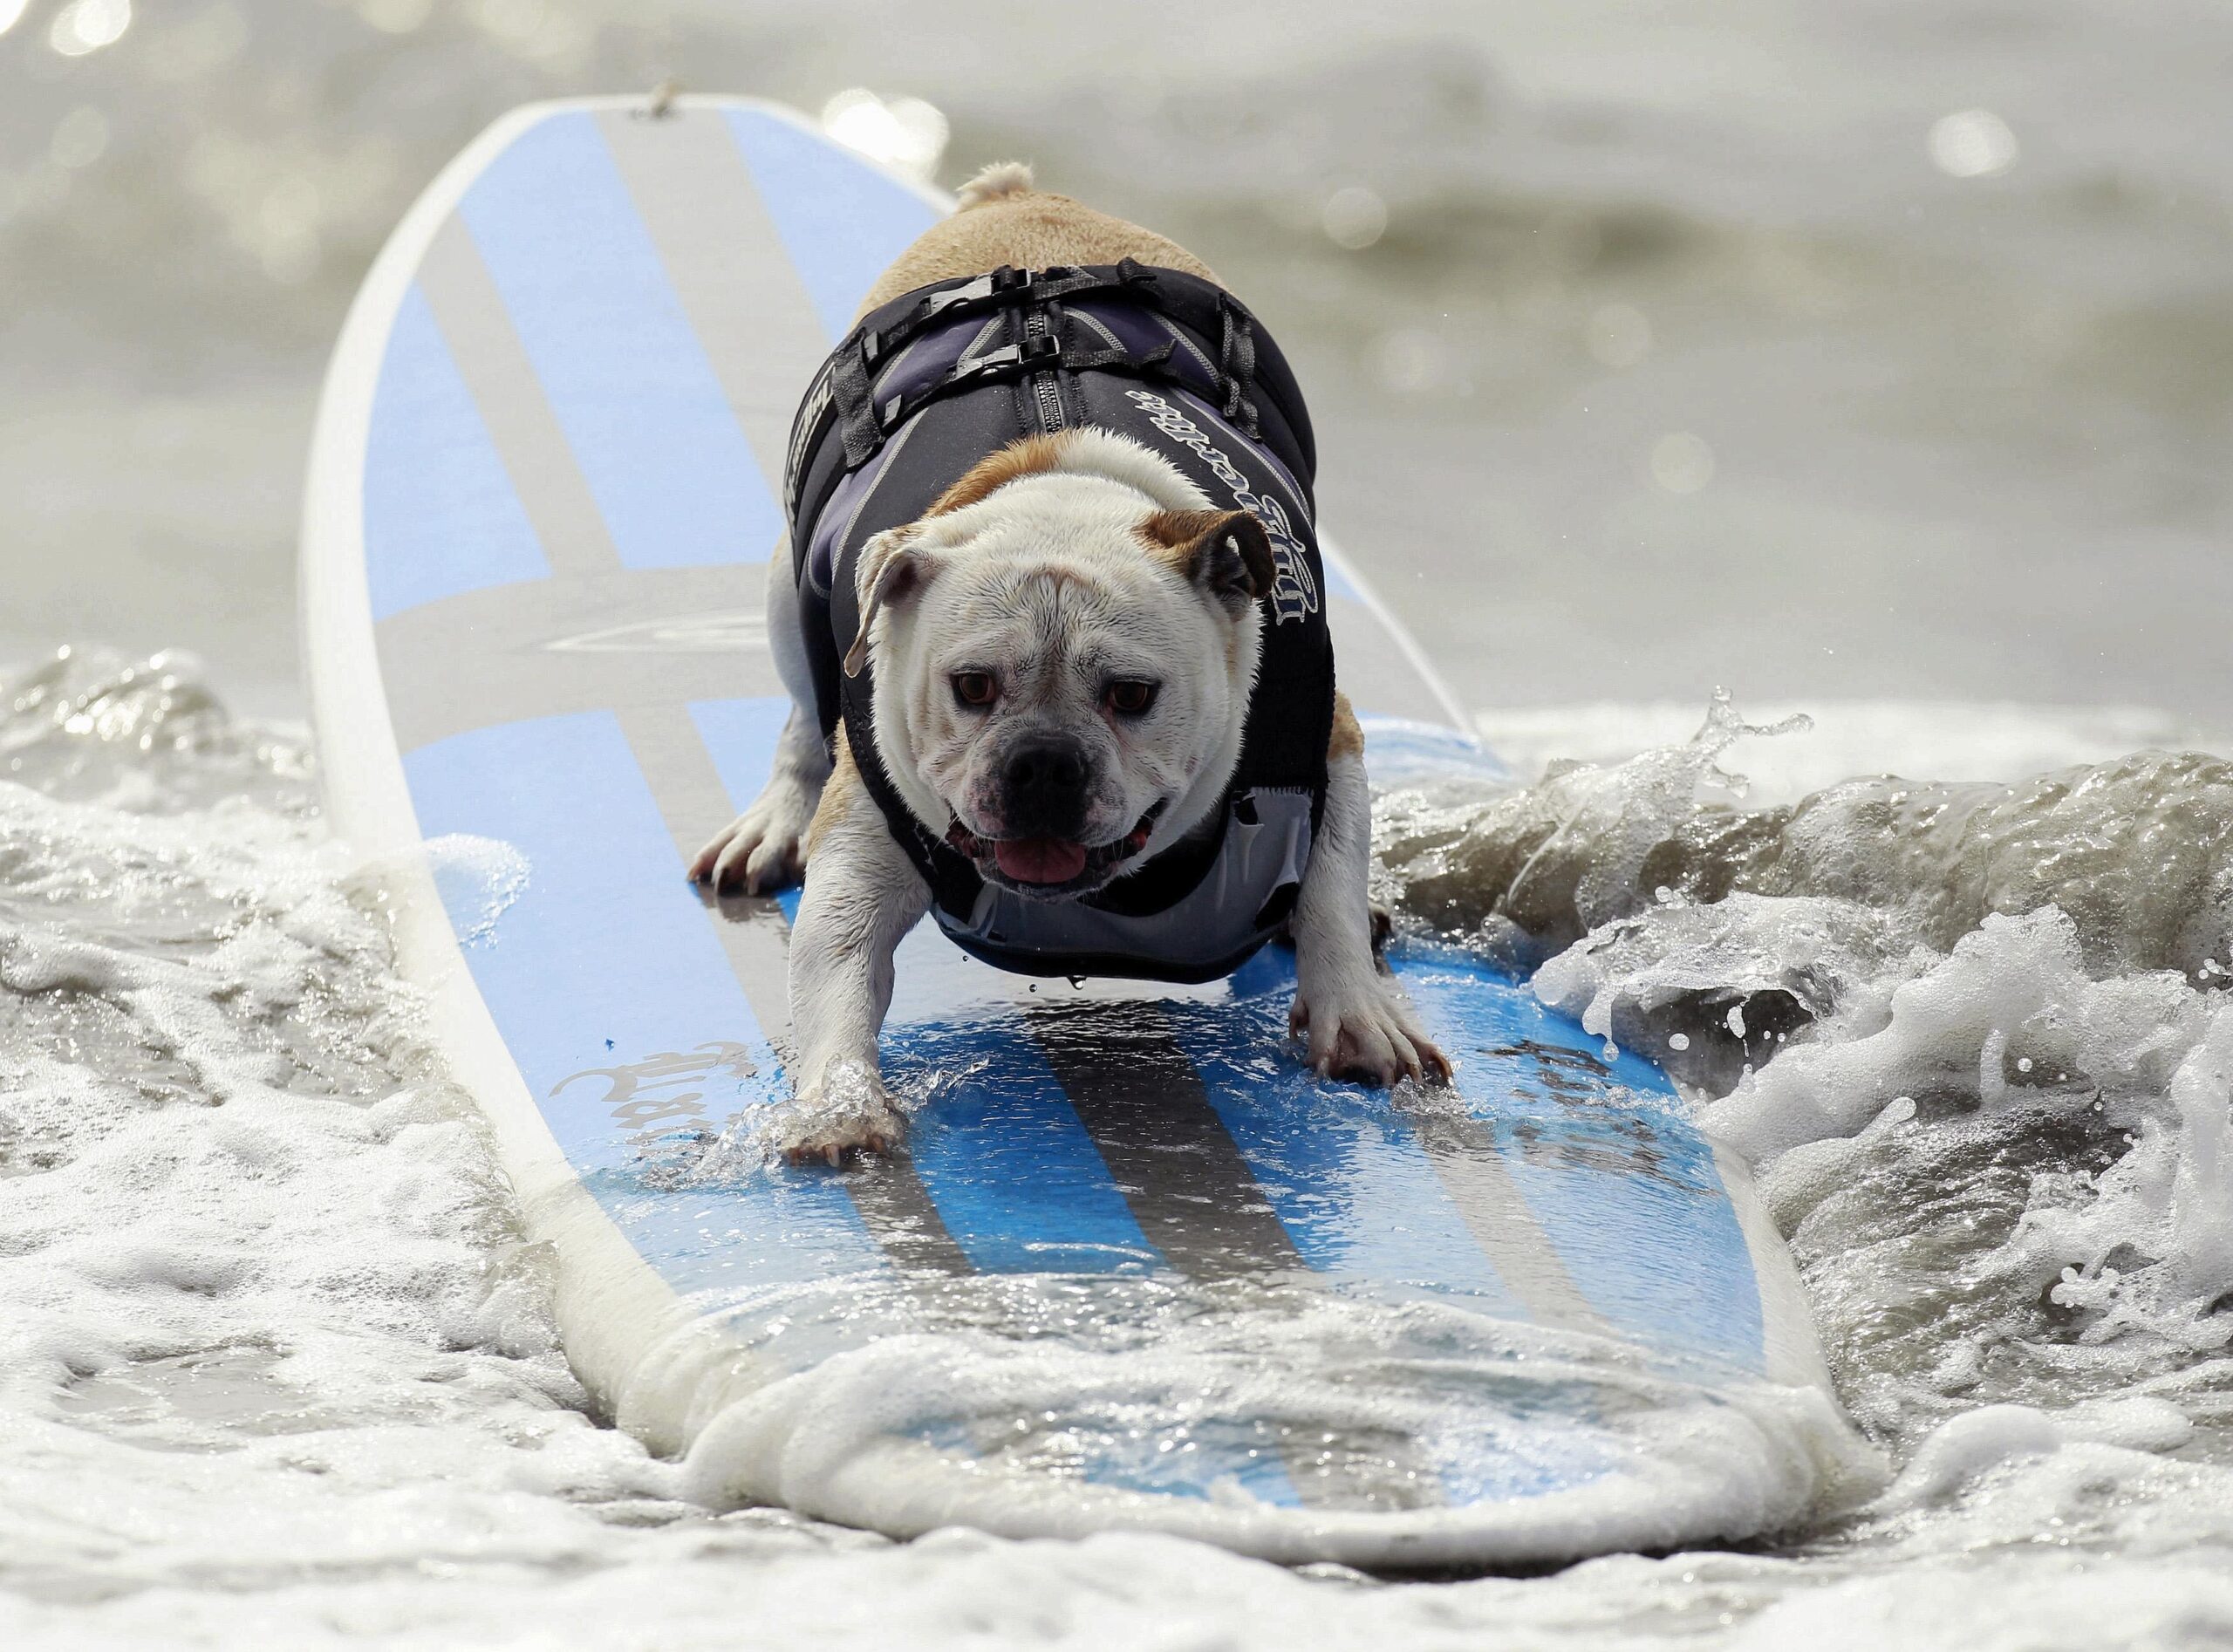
x,y
1875,363
277,1365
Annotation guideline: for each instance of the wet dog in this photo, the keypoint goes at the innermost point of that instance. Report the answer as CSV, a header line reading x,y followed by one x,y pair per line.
x,y
1064,646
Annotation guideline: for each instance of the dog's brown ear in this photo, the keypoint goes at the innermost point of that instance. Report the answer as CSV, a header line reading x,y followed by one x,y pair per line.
x,y
893,572
1225,552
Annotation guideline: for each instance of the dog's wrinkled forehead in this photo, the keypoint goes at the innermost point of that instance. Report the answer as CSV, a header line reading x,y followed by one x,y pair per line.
x,y
1052,561
1055,628
1043,515
1031,551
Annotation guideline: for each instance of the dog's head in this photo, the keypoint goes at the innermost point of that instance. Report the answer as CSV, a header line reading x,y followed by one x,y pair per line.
x,y
1063,650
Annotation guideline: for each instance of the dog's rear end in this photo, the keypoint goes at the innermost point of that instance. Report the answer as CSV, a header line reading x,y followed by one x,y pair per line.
x,y
1005,218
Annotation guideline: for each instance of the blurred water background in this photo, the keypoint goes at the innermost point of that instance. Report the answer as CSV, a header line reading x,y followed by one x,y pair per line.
x,y
1860,352
1870,358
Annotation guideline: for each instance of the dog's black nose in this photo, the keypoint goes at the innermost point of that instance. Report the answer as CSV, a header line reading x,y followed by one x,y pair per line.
x,y
1046,783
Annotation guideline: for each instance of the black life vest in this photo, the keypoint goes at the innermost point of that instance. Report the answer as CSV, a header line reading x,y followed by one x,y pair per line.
x,y
930,383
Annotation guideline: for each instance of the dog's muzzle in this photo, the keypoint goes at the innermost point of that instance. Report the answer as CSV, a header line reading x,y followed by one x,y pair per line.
x,y
1020,862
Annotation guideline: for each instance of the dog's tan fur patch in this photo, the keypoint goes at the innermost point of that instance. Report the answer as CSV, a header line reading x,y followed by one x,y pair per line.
x,y
1347,739
1005,220
996,470
1170,536
1176,538
838,793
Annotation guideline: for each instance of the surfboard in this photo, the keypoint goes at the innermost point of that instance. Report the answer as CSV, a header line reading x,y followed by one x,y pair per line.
x,y
1135,1269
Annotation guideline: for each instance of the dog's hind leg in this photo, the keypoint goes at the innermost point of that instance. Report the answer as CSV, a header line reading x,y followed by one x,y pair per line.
x,y
764,848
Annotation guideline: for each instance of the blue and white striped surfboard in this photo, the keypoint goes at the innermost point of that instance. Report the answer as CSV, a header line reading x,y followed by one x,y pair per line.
x,y
1136,1268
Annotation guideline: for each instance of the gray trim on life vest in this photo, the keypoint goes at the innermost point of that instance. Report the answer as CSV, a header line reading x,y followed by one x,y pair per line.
x,y
1250,887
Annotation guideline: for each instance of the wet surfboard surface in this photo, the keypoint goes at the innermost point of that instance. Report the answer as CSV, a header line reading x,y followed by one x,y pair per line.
x,y
1135,1267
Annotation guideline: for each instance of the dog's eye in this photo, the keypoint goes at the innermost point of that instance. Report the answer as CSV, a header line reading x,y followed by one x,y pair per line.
x,y
1132,698
974,687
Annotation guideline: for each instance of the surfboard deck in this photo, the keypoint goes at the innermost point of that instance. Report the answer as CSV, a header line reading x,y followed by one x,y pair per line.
x,y
1135,1267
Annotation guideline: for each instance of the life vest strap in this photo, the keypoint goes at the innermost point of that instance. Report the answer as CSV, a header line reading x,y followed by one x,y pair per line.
x,y
844,391
1007,288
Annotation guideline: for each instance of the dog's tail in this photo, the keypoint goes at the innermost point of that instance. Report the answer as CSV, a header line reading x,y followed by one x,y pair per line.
x,y
997,183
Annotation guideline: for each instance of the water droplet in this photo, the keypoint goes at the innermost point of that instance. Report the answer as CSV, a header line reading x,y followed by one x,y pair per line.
x,y
906,132
513,22
1354,217
87,25
1618,335
1681,462
395,16
1409,360
80,138
1972,143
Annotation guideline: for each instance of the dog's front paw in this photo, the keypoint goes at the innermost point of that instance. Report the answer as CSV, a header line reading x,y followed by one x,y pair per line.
x,y
1361,1032
762,848
847,1113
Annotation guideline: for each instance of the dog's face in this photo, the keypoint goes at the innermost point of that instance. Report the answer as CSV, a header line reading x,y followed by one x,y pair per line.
x,y
1062,672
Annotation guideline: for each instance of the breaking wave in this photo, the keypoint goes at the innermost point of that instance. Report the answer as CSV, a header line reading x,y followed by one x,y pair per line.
x,y
1975,1037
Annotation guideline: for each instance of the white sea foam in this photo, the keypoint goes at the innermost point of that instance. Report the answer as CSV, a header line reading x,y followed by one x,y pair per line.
x,y
1335,1389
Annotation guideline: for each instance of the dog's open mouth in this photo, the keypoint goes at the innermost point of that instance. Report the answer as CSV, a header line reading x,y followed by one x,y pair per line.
x,y
1051,865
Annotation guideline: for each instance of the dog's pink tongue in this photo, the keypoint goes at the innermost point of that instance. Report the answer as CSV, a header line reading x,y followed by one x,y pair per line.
x,y
1039,860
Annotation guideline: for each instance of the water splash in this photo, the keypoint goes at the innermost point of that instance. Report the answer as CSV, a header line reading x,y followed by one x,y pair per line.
x,y
1525,871
480,879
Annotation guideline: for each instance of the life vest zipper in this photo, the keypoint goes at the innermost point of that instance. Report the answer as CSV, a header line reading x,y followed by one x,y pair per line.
x,y
1044,388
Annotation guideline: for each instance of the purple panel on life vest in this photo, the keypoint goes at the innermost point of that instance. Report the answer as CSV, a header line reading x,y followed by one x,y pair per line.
x,y
828,528
1141,333
931,356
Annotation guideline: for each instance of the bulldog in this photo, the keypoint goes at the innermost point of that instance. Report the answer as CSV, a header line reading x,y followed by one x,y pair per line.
x,y
1080,702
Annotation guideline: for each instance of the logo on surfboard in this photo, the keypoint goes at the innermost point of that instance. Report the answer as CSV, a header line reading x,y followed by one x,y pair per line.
x,y
654,1092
